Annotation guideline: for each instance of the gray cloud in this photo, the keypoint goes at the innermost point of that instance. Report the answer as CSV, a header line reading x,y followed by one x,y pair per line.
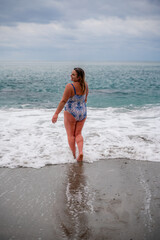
x,y
86,29
15,11
39,11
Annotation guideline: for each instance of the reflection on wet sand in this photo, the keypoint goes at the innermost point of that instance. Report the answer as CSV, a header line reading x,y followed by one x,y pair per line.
x,y
78,203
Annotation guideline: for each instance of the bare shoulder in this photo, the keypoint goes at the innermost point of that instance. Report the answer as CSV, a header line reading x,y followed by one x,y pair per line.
x,y
69,88
68,85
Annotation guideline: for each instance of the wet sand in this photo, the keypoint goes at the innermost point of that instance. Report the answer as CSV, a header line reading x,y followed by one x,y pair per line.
x,y
109,199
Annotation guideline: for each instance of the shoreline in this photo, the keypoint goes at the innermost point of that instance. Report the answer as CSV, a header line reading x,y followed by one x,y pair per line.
x,y
108,199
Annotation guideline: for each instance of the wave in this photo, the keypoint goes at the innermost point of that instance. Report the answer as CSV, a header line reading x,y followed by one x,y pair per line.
x,y
29,139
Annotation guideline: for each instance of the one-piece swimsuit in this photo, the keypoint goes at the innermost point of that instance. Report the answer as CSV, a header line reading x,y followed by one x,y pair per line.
x,y
76,106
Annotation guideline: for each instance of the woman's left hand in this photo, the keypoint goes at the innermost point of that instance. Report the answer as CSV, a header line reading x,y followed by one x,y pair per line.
x,y
54,118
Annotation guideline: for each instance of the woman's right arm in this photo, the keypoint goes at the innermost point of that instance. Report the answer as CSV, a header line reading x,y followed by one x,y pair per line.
x,y
68,92
59,109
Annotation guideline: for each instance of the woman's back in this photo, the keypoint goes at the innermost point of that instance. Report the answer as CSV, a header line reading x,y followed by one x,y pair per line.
x,y
76,104
78,88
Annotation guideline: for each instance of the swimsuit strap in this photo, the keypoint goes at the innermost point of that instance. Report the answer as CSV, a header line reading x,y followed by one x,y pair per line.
x,y
74,88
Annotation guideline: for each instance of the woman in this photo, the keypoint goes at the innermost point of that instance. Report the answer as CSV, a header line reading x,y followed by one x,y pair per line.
x,y
74,99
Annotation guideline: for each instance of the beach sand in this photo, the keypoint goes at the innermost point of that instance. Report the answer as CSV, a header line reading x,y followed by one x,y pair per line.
x,y
109,199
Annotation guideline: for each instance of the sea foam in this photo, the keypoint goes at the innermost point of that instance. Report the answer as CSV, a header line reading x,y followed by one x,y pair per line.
x,y
29,139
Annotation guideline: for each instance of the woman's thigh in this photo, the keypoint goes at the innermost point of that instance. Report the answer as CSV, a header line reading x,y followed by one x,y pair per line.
x,y
70,123
79,126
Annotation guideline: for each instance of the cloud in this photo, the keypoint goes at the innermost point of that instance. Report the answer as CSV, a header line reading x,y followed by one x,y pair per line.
x,y
58,34
121,27
85,27
36,11
40,11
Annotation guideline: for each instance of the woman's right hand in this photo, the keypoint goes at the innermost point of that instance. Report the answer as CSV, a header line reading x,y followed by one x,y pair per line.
x,y
54,118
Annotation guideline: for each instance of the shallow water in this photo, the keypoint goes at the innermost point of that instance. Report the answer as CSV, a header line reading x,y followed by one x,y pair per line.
x,y
123,112
29,139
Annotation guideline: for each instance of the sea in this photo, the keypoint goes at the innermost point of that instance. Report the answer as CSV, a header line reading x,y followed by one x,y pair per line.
x,y
123,112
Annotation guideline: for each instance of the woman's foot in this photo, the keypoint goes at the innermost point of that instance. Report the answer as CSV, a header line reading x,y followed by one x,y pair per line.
x,y
80,157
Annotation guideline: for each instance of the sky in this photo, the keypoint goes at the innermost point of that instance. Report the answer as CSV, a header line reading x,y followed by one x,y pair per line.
x,y
80,30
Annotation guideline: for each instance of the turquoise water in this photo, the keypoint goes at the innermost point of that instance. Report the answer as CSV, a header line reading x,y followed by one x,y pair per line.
x,y
41,84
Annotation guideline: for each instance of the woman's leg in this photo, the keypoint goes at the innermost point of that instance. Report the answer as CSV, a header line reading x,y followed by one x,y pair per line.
x,y
79,138
70,125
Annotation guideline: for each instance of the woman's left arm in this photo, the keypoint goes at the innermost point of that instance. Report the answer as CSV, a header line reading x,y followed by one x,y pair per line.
x,y
87,91
59,109
66,95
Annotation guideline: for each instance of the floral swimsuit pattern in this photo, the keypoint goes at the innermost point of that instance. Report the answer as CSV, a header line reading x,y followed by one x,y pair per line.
x,y
76,106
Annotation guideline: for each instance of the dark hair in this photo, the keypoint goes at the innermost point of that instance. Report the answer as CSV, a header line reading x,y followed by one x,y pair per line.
x,y
81,74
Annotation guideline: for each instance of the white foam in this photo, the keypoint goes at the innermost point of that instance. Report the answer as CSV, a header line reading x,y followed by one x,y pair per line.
x,y
29,139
